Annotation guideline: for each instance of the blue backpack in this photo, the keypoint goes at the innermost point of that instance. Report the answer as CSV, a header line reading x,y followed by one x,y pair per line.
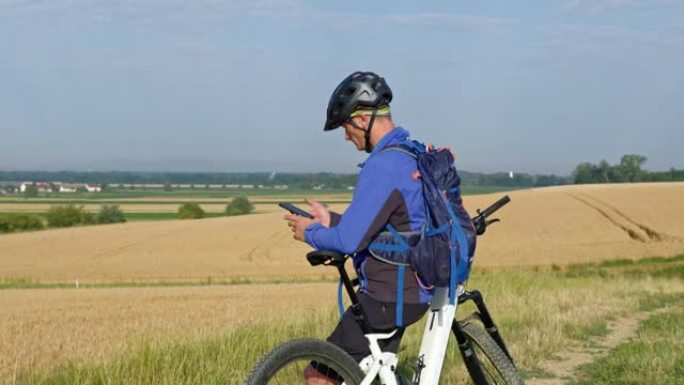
x,y
441,253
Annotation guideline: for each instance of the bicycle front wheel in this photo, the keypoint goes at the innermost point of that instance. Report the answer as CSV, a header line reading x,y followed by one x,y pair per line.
x,y
294,361
489,364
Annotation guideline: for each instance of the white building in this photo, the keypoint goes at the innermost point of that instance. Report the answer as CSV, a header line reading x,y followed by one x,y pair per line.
x,y
68,188
42,186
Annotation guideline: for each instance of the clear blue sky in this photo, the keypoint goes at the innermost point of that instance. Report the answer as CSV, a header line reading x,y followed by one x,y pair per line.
x,y
529,86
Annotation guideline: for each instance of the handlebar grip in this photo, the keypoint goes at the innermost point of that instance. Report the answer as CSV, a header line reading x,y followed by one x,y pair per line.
x,y
497,205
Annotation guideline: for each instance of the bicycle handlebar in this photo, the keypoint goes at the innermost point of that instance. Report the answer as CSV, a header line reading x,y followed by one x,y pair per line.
x,y
480,220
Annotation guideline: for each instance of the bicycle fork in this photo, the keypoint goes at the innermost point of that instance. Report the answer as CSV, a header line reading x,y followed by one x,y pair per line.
x,y
484,316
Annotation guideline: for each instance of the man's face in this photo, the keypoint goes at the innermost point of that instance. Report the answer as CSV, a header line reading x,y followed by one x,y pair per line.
x,y
354,134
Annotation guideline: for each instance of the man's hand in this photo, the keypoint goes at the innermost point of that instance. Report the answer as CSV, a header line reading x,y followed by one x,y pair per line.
x,y
319,212
298,225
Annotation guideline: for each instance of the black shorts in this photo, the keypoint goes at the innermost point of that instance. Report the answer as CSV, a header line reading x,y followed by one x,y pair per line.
x,y
348,335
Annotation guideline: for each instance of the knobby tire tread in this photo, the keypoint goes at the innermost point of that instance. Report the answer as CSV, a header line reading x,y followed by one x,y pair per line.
x,y
322,351
478,336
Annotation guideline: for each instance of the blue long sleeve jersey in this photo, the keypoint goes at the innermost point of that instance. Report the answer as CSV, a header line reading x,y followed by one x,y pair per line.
x,y
386,192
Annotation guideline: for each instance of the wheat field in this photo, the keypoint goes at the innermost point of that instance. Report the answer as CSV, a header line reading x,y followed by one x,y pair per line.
x,y
557,225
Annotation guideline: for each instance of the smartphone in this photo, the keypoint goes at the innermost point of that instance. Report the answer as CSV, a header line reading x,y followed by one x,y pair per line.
x,y
294,209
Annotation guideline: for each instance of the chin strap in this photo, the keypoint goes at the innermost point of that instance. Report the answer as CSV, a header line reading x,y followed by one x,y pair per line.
x,y
369,148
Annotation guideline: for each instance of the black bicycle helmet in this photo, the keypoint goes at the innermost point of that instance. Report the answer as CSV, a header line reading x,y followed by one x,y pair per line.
x,y
358,90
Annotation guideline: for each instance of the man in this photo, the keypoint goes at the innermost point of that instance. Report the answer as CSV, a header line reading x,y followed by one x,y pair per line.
x,y
387,192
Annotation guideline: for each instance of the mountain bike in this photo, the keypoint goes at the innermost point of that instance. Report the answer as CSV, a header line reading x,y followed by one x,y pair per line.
x,y
481,346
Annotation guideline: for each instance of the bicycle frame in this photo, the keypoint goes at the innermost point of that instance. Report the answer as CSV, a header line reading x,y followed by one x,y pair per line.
x,y
432,349
436,336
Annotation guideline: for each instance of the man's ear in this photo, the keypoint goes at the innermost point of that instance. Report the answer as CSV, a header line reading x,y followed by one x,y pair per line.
x,y
363,121
359,122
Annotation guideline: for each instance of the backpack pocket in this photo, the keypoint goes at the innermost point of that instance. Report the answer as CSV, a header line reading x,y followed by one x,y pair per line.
x,y
430,259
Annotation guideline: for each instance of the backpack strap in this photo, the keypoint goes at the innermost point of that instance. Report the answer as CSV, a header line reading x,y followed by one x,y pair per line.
x,y
409,147
340,299
412,149
457,239
399,308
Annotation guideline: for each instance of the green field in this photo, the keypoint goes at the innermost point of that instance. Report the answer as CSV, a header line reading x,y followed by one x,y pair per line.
x,y
539,311
111,196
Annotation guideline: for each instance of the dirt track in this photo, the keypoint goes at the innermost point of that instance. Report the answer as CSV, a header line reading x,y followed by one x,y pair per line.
x,y
566,362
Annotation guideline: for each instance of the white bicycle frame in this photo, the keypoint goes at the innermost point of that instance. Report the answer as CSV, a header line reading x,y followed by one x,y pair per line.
x,y
432,349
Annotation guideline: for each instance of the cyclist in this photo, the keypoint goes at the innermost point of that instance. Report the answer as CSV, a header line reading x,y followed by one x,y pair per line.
x,y
388,191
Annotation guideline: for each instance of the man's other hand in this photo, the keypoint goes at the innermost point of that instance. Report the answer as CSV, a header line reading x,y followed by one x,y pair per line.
x,y
298,225
319,212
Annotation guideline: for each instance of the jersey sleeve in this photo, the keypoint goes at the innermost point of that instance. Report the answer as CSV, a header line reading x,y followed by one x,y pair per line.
x,y
364,216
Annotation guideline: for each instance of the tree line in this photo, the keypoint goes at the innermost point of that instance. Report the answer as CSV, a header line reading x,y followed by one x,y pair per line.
x,y
293,180
627,171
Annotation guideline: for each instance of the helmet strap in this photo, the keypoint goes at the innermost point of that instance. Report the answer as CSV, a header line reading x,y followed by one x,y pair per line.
x,y
367,133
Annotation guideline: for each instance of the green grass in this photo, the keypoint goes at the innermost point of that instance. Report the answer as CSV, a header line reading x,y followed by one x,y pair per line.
x,y
598,328
342,196
476,190
655,356
132,217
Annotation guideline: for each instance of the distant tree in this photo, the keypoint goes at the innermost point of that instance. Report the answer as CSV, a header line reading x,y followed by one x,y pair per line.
x,y
68,215
81,189
190,211
604,169
206,186
549,180
104,187
31,191
110,214
586,172
167,187
240,205
19,222
630,165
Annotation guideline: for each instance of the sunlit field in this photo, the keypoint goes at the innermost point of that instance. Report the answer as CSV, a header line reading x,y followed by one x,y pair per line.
x,y
198,301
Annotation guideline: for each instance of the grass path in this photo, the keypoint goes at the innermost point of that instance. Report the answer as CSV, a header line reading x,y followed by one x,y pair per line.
x,y
562,366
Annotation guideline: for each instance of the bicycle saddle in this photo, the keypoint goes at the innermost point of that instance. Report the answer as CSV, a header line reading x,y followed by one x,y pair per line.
x,y
325,257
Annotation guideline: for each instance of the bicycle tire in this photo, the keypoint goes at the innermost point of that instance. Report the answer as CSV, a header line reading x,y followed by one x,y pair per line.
x,y
491,360
301,352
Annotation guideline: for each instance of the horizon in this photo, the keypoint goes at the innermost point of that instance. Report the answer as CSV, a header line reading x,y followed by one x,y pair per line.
x,y
646,169
229,87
